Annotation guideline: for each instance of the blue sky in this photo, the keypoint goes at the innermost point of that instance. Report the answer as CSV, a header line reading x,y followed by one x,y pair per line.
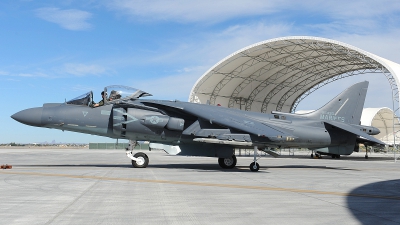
x,y
56,50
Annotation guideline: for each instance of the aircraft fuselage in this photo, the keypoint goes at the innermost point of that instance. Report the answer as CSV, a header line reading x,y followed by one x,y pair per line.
x,y
141,124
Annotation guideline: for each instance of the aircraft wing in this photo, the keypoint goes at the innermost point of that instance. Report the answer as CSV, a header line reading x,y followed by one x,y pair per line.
x,y
225,118
364,137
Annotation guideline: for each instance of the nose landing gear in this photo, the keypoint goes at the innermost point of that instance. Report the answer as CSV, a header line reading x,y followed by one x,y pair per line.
x,y
140,159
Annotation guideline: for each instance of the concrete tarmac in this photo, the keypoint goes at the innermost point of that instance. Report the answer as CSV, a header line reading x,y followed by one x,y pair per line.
x,y
81,186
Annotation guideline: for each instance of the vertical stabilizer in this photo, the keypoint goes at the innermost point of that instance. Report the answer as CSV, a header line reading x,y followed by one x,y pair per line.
x,y
346,107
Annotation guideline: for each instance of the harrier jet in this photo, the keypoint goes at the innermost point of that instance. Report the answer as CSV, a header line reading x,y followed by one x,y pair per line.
x,y
191,129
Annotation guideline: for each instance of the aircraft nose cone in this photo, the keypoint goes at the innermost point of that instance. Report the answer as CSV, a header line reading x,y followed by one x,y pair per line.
x,y
32,117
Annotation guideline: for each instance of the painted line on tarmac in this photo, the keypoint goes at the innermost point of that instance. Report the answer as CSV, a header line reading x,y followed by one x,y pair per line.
x,y
262,188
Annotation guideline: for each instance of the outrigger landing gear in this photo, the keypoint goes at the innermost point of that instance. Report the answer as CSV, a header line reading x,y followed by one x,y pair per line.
x,y
366,151
254,165
227,163
140,159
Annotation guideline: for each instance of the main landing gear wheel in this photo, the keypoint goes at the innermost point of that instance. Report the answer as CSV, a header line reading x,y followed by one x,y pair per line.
x,y
142,160
254,166
227,163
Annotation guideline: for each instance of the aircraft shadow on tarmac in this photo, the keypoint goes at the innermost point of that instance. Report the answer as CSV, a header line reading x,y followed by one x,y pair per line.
x,y
376,203
79,165
239,168
205,167
372,157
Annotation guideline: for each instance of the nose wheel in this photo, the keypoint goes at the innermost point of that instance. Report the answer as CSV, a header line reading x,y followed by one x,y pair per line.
x,y
254,166
142,160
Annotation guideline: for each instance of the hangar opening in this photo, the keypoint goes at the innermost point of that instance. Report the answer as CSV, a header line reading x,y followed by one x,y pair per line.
x,y
277,74
385,120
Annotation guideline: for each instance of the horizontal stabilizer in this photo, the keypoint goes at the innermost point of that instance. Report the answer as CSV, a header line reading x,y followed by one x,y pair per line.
x,y
355,131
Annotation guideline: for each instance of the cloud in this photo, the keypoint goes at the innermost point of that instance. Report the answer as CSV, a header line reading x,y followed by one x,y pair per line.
x,y
176,86
191,11
385,45
32,75
70,19
76,69
239,36
80,88
24,74
79,69
186,11
357,9
212,47
207,48
11,79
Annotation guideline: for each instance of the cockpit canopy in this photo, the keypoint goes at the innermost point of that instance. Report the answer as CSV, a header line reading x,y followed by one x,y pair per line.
x,y
114,93
123,93
85,99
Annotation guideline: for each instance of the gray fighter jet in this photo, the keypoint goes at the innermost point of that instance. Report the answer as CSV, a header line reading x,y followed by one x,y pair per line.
x,y
191,129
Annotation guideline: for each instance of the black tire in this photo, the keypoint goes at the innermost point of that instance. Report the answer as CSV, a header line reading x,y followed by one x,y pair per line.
x,y
312,155
333,156
227,163
254,166
338,156
143,160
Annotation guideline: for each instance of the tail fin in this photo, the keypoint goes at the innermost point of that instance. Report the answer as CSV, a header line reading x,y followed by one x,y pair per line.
x,y
346,107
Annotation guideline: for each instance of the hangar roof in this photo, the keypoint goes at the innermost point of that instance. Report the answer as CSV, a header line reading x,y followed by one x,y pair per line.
x,y
276,74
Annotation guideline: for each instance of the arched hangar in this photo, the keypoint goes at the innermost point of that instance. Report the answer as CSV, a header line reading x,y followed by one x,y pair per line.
x,y
385,120
276,74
